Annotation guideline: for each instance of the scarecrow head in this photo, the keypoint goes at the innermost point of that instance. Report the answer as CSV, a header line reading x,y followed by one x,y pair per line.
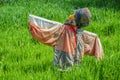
x,y
80,18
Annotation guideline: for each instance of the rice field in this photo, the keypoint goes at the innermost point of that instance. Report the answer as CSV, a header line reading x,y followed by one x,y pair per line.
x,y
23,58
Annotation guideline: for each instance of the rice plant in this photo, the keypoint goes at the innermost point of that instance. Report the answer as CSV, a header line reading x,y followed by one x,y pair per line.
x,y
23,58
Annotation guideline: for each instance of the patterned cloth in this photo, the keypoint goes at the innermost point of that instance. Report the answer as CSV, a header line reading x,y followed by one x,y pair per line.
x,y
65,60
61,37
69,43
87,43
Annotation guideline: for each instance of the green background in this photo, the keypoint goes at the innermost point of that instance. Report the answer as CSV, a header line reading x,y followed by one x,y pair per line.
x,y
23,58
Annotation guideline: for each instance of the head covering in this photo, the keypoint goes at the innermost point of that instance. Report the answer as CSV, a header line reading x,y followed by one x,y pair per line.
x,y
82,17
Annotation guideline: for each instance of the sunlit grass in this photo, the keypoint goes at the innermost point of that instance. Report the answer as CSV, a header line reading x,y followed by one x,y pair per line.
x,y
23,58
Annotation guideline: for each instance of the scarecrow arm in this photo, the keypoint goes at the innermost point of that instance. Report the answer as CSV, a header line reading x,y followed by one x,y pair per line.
x,y
42,22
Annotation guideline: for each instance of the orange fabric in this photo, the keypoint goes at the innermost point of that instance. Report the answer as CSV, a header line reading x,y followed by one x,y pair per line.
x,y
60,37
92,45
67,40
45,36
63,37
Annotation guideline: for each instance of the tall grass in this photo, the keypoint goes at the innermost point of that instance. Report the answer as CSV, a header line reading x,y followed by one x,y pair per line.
x,y
23,58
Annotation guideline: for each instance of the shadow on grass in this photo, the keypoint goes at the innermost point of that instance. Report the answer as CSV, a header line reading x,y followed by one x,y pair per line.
x,y
95,3
75,3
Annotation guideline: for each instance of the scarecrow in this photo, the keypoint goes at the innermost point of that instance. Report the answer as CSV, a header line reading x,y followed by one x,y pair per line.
x,y
68,40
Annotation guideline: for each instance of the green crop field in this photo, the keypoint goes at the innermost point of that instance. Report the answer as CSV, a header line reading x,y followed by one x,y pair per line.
x,y
23,58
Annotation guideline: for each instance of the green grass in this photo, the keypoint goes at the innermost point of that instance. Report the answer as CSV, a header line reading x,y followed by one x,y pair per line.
x,y
23,58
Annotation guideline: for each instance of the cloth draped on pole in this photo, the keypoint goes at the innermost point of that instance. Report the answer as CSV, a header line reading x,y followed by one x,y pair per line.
x,y
65,38
53,34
